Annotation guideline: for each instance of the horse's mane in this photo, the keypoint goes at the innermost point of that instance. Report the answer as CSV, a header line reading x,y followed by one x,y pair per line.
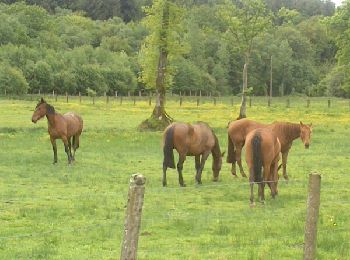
x,y
289,130
50,109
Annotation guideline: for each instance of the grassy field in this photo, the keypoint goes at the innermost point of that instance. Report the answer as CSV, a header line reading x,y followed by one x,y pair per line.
x,y
77,212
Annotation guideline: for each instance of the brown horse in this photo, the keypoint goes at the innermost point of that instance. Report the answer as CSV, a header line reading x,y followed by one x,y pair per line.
x,y
286,133
66,127
193,140
262,151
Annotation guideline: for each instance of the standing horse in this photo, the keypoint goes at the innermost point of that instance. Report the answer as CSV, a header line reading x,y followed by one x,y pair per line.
x,y
286,133
262,151
66,127
193,140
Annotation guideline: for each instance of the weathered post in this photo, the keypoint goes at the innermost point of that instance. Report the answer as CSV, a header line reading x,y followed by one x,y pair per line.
x,y
56,97
107,99
180,101
308,102
231,101
329,103
133,217
250,101
150,99
93,99
67,97
214,101
79,97
313,205
134,100
197,102
288,103
121,100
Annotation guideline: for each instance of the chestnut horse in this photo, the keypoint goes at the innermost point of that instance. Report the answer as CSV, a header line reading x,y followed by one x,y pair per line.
x,y
193,140
66,127
286,133
262,151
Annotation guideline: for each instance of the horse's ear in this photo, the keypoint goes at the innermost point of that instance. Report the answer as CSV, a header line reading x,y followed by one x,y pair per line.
x,y
42,100
223,154
301,123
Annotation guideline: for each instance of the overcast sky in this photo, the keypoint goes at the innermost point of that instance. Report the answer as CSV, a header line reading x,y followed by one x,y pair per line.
x,y
337,2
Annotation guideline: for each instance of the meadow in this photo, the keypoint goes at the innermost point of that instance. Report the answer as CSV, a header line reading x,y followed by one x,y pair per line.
x,y
77,211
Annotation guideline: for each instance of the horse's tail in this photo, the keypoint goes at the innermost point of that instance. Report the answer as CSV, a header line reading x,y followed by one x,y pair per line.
x,y
230,150
168,148
257,160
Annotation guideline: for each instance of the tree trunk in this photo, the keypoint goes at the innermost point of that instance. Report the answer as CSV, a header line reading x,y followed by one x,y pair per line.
x,y
159,118
242,111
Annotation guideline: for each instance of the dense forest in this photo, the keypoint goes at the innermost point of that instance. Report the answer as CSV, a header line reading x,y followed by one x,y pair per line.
x,y
97,46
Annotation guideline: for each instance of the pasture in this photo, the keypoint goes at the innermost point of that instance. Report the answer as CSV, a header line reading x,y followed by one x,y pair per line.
x,y
77,212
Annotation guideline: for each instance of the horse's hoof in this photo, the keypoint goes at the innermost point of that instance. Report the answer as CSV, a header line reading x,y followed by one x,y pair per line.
x,y
215,179
54,163
262,202
164,184
252,205
244,175
234,174
183,185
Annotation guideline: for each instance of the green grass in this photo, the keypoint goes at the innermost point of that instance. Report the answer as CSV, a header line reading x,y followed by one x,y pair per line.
x,y
77,212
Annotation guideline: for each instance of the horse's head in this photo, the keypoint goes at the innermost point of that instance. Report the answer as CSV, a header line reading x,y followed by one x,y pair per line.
x,y
305,134
40,111
217,163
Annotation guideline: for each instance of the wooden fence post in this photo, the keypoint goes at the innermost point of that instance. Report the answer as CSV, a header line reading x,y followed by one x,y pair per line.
x,y
133,217
180,101
288,103
121,100
93,100
197,102
150,99
308,102
231,101
313,205
56,97
214,101
107,99
67,97
250,101
329,103
79,97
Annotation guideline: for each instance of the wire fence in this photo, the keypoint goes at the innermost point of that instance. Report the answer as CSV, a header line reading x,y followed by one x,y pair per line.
x,y
194,100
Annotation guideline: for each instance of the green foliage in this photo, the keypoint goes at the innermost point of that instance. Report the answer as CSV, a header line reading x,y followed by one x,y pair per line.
x,y
12,80
159,38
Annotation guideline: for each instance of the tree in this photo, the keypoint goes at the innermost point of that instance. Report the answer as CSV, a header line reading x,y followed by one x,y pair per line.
x,y
12,80
245,21
160,48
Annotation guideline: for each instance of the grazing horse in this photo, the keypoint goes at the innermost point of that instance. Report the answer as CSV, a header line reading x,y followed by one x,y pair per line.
x,y
286,133
193,140
262,151
66,127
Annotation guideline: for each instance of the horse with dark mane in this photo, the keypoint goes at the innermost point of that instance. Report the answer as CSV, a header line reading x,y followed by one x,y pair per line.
x,y
67,127
191,140
262,152
286,133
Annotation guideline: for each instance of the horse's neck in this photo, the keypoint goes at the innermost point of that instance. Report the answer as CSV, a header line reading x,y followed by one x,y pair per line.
x,y
293,132
51,120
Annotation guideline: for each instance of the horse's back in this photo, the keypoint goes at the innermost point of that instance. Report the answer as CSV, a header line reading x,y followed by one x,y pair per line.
x,y
239,129
192,139
74,123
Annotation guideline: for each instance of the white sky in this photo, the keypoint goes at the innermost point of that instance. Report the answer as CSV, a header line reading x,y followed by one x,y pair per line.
x,y
337,2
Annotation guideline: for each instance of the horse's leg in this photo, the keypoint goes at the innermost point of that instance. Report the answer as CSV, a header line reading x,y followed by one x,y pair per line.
x,y
70,147
266,177
251,181
66,148
182,158
199,174
54,148
73,144
164,174
238,154
284,163
197,159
